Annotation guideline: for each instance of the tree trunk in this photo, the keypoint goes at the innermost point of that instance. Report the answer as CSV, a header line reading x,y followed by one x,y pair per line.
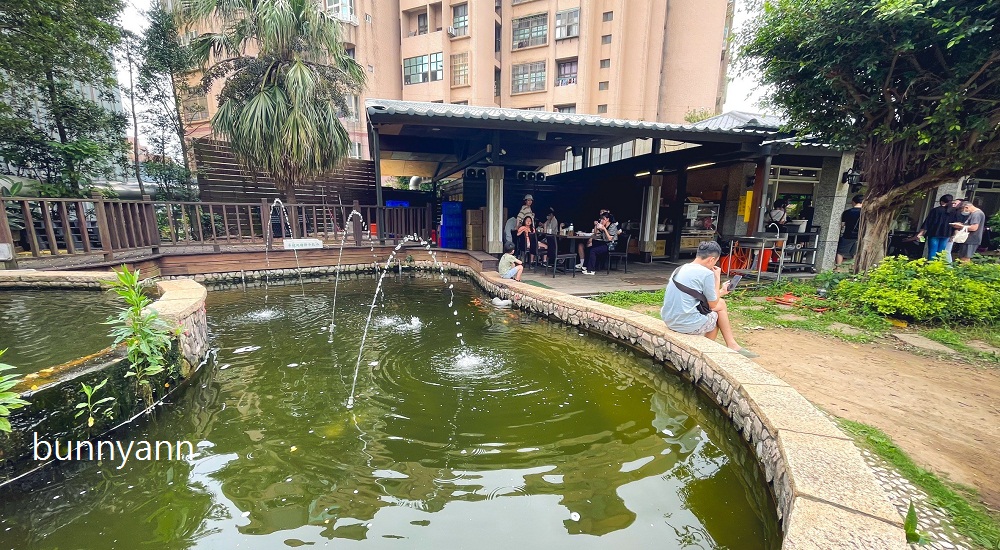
x,y
56,112
873,237
179,109
135,120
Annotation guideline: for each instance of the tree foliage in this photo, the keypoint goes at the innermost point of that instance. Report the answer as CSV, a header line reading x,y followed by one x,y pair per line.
x,y
48,129
913,85
163,77
279,107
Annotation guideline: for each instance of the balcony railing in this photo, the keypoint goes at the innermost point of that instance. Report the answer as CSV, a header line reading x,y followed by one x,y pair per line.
x,y
566,80
54,227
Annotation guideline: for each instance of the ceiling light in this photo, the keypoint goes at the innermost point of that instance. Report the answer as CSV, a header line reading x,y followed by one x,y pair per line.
x,y
696,166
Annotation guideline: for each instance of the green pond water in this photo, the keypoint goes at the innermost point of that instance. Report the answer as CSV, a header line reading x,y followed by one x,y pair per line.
x,y
521,432
42,329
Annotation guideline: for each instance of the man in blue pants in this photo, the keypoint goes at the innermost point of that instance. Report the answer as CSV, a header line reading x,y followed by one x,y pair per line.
x,y
937,227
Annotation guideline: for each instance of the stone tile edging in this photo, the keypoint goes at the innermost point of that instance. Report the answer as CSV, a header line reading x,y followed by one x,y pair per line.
x,y
827,496
182,304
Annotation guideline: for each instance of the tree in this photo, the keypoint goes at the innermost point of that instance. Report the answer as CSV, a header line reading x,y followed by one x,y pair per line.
x,y
698,115
913,85
47,49
279,108
130,51
163,81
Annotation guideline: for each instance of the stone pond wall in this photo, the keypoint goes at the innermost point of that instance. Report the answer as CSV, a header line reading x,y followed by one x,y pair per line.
x,y
826,496
54,392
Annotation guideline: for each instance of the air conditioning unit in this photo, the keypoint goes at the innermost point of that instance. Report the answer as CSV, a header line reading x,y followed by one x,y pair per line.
x,y
475,174
527,175
451,31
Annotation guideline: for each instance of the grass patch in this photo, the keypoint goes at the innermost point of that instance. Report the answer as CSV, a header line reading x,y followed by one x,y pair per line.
x,y
969,518
628,298
956,338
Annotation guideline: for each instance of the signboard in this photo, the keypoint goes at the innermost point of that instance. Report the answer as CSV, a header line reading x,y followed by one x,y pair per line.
x,y
301,244
748,207
6,252
397,204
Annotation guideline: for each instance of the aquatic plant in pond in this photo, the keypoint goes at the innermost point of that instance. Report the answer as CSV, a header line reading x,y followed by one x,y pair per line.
x,y
8,399
139,327
91,408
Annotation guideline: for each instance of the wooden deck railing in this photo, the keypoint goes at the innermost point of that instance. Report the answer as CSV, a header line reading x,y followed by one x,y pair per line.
x,y
102,226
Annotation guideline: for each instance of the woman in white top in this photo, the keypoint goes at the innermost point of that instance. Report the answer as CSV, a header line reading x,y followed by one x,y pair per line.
x,y
777,214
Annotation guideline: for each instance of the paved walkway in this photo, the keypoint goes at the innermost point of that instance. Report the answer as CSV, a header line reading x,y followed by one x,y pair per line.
x,y
640,276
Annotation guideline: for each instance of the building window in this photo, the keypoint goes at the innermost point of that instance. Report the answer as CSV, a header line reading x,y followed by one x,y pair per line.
x,y
349,52
460,69
421,23
196,107
568,23
601,109
608,16
460,19
437,66
605,63
355,150
531,31
606,39
341,9
537,108
461,103
566,108
602,85
528,77
415,70
566,72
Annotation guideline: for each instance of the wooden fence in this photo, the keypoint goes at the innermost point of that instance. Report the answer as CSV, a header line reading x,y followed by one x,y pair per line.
x,y
46,226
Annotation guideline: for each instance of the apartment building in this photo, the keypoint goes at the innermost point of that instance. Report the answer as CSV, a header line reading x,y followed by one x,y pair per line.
x,y
651,60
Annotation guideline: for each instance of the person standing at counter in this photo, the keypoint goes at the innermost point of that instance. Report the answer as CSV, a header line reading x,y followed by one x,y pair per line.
x,y
778,213
937,227
850,221
526,210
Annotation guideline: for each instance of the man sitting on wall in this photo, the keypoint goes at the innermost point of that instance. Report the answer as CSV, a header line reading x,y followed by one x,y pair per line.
x,y
692,302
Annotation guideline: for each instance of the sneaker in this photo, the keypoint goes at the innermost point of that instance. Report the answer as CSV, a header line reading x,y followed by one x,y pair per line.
x,y
581,266
586,272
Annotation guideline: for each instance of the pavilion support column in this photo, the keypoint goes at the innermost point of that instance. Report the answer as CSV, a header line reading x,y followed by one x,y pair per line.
x,y
650,212
677,212
830,201
379,201
494,209
760,205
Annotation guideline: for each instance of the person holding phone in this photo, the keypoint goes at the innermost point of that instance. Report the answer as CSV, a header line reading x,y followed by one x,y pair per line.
x,y
692,302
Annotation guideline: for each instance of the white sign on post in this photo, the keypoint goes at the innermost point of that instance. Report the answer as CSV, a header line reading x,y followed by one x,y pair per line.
x,y
301,244
6,252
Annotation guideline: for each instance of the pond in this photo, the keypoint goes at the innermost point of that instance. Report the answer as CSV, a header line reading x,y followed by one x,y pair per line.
x,y
45,328
472,427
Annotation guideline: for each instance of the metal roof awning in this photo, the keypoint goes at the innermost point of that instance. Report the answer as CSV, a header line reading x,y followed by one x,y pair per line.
x,y
439,139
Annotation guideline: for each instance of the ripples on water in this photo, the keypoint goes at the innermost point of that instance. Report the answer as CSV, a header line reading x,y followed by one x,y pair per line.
x,y
43,329
517,433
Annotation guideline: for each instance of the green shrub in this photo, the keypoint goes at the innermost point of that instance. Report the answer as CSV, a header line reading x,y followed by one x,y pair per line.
x,y
923,290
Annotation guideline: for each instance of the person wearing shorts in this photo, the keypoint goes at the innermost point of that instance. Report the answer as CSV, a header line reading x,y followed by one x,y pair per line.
x,y
510,267
680,309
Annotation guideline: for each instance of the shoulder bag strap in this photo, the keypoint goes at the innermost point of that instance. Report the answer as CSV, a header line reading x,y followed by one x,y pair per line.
x,y
700,296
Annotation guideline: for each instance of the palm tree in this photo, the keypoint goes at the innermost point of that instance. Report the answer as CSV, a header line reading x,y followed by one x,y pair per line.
x,y
287,82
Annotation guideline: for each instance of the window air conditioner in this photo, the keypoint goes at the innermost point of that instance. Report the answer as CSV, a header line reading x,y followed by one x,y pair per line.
x,y
451,31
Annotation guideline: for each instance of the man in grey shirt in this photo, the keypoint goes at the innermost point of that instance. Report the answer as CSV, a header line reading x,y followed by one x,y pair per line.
x,y
976,225
680,309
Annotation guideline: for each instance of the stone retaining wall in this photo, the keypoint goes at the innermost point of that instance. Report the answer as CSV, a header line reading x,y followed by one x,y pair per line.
x,y
54,392
827,497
